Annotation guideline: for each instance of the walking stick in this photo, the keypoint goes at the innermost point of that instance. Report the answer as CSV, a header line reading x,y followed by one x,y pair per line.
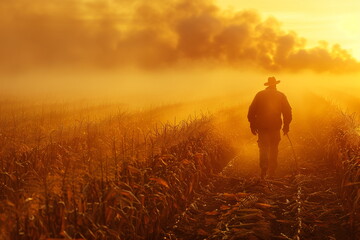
x,y
299,201
293,150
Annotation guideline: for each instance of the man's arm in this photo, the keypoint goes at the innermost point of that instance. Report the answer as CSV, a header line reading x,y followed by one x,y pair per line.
x,y
252,116
287,114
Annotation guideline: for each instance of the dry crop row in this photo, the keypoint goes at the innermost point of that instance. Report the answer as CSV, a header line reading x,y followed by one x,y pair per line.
x,y
119,177
336,142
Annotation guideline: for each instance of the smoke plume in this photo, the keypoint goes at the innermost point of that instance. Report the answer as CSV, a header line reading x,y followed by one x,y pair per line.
x,y
154,35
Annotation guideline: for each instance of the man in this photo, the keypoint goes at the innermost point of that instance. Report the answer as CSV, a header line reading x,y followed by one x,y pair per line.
x,y
265,121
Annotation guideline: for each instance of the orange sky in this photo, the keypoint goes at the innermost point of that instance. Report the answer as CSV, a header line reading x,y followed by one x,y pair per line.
x,y
162,34
331,20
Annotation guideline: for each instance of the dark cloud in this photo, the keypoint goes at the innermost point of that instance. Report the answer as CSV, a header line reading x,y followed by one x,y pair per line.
x,y
153,35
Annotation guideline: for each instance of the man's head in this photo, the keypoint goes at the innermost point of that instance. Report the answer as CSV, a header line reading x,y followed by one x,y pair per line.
x,y
272,82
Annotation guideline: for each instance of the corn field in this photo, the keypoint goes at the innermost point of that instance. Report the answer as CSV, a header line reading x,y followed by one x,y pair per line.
x,y
101,172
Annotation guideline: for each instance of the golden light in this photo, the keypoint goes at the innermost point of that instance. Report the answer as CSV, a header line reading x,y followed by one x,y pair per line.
x,y
330,20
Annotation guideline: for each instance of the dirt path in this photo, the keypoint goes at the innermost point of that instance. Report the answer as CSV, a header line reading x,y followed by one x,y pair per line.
x,y
297,206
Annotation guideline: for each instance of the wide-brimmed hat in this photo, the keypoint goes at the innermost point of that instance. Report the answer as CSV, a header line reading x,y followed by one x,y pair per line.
x,y
272,81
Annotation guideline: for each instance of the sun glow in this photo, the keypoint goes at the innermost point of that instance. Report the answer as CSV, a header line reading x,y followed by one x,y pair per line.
x,y
331,20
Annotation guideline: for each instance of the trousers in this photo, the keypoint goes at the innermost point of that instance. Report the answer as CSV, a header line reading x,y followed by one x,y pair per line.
x,y
268,142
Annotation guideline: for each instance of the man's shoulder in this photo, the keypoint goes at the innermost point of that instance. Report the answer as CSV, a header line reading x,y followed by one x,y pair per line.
x,y
262,92
281,93
270,93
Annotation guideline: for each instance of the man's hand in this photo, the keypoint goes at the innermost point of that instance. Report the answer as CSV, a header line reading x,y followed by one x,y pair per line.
x,y
286,129
254,131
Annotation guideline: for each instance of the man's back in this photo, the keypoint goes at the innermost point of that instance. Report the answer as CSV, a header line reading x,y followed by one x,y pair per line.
x,y
266,109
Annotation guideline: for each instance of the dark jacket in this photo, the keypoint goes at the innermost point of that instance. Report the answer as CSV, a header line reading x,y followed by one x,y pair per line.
x,y
266,109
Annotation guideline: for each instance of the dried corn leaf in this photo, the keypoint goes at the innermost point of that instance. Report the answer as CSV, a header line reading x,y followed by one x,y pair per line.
x,y
235,195
212,213
211,221
263,205
248,210
129,195
285,221
252,216
349,184
160,181
186,162
225,207
134,169
202,232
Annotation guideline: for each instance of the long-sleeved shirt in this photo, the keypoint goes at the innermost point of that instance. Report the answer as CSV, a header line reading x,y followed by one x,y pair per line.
x,y
266,109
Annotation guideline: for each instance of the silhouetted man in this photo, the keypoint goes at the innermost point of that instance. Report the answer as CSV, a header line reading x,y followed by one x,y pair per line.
x,y
265,120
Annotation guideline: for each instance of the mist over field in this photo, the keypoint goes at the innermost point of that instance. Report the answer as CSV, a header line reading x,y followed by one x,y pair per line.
x,y
148,89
